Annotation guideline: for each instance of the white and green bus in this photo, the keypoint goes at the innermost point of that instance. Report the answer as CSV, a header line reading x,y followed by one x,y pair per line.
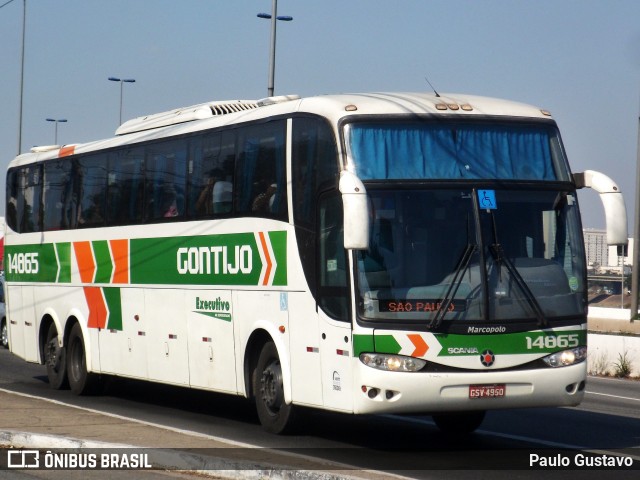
x,y
365,253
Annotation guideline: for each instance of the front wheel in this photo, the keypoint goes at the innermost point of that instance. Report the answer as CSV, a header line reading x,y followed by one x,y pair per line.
x,y
80,380
274,413
459,423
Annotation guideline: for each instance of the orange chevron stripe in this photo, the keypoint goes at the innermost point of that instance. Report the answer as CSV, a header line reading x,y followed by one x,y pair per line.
x,y
86,264
265,249
419,343
120,252
97,307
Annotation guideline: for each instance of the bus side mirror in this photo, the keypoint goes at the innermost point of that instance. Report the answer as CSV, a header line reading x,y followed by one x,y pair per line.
x,y
613,202
356,212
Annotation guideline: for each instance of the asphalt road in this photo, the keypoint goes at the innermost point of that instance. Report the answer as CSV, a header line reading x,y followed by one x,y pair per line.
x,y
608,422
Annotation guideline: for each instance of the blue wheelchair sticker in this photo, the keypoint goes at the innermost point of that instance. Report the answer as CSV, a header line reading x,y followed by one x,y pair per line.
x,y
487,199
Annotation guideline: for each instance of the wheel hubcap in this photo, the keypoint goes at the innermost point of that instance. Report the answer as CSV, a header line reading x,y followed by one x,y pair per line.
x,y
53,354
271,387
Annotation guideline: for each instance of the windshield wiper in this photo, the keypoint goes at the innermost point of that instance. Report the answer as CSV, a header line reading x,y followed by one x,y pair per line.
x,y
498,255
445,303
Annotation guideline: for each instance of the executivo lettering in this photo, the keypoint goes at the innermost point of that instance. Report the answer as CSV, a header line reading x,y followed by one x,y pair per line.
x,y
218,308
217,304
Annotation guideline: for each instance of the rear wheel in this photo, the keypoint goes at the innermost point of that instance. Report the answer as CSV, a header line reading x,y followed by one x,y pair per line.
x,y
274,414
459,423
4,333
80,380
55,360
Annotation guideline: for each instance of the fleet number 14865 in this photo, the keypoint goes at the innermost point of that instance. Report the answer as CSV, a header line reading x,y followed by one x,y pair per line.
x,y
553,341
23,262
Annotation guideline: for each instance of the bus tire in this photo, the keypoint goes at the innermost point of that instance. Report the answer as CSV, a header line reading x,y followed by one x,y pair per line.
x,y
4,333
459,423
80,380
274,413
55,358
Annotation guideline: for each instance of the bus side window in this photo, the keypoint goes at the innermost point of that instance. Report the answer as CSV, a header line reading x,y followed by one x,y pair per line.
x,y
126,187
93,198
165,166
29,205
63,183
211,175
261,178
12,199
333,281
314,163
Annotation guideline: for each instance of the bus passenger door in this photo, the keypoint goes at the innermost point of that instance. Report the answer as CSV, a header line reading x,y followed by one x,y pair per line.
x,y
333,306
336,352
306,373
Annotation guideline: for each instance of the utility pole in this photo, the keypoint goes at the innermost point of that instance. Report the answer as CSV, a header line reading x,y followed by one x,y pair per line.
x,y
635,262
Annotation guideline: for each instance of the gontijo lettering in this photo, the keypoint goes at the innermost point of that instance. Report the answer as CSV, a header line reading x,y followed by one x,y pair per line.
x,y
200,260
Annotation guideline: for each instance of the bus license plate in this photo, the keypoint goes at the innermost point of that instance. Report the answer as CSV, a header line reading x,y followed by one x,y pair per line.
x,y
487,391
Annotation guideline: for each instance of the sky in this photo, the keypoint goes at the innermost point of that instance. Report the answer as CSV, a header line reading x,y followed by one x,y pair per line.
x,y
579,59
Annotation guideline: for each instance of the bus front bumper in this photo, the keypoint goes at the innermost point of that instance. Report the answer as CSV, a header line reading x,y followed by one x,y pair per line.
x,y
399,392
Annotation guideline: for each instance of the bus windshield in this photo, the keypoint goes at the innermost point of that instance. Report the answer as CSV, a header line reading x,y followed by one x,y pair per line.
x,y
471,254
460,249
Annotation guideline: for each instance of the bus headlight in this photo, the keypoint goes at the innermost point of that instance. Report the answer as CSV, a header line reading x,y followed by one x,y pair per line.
x,y
392,363
566,357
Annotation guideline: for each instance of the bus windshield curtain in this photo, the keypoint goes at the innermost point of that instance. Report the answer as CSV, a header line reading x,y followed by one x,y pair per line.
x,y
413,151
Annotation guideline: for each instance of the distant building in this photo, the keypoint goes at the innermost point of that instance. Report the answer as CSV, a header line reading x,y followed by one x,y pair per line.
x,y
602,257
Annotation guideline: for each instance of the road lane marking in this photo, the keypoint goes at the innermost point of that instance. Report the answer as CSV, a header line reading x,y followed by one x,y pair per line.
x,y
507,436
613,396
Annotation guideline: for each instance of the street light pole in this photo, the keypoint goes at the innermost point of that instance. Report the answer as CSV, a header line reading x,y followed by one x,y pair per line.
x,y
24,25
272,53
121,80
61,120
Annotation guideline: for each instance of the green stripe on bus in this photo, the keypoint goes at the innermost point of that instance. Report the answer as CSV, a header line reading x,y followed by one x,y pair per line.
x,y
279,245
114,305
362,344
63,251
104,265
540,341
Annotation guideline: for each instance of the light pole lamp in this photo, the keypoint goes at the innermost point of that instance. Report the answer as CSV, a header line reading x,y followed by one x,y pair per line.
x,y
272,56
122,81
56,121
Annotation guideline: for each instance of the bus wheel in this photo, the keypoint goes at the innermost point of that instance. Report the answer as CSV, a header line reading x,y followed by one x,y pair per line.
x,y
4,333
274,414
459,423
80,381
55,360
